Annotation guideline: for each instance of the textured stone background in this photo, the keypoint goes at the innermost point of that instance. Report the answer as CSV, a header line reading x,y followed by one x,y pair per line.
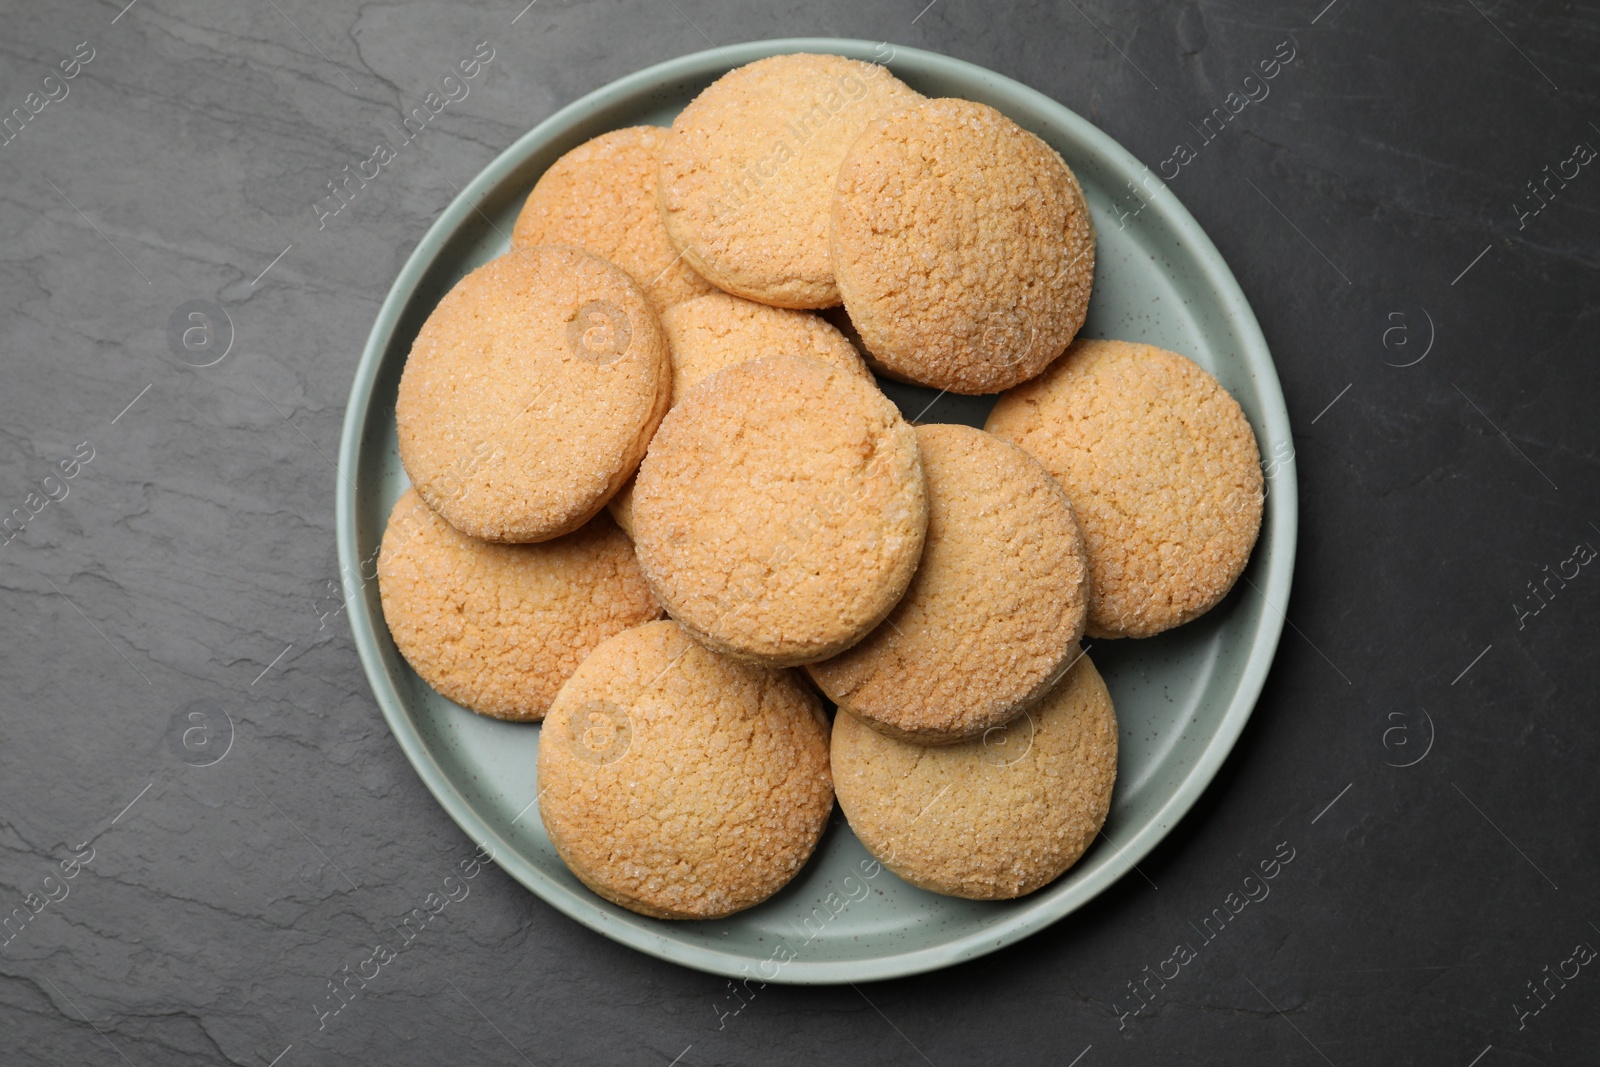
x,y
187,571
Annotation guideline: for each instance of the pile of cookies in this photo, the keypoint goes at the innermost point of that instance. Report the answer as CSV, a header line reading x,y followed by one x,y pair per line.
x,y
649,481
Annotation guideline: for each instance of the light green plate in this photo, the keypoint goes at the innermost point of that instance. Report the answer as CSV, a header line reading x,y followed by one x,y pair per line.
x,y
1182,698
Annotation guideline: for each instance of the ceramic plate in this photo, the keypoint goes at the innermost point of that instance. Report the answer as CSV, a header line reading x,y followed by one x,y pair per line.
x,y
1182,698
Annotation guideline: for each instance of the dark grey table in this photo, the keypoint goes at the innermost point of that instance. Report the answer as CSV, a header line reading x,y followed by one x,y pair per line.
x,y
1408,210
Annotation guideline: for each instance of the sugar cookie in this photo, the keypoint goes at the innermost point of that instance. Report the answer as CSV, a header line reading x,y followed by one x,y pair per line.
x,y
531,393
962,245
681,784
992,617
747,175
601,197
498,628
780,511
992,818
1162,468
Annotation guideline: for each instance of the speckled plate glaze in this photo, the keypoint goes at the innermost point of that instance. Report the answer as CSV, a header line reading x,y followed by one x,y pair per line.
x,y
1182,698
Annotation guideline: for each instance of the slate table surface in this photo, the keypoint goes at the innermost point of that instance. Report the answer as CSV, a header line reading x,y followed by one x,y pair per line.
x,y
1409,211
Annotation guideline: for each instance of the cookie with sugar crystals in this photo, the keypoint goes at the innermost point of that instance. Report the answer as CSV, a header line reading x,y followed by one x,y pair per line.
x,y
497,628
992,818
962,246
994,614
531,393
747,174
720,330
601,197
781,509
681,784
1162,468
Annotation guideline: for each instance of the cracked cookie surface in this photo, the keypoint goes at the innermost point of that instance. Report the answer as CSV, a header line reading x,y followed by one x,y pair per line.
x,y
992,818
530,394
497,628
721,330
601,197
962,247
747,175
992,617
682,784
781,509
1162,469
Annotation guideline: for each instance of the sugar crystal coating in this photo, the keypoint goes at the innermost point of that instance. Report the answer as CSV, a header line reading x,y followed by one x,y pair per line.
x,y
995,611
748,173
497,628
601,197
1162,468
679,783
780,511
962,246
992,818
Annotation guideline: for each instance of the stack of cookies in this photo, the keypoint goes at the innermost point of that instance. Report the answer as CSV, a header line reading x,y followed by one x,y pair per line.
x,y
660,504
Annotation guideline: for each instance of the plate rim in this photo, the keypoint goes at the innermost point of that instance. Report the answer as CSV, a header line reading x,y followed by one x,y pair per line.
x,y
1044,909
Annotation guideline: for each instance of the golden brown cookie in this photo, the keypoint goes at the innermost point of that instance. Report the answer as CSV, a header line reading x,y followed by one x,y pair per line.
x,y
780,511
1162,469
747,175
720,330
678,783
531,393
962,246
995,611
992,818
601,197
498,628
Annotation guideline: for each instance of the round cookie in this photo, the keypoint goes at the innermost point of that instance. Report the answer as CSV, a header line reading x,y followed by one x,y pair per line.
x,y
498,628
994,614
992,818
780,511
748,172
720,330
531,393
1162,469
601,197
712,332
962,245
681,784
